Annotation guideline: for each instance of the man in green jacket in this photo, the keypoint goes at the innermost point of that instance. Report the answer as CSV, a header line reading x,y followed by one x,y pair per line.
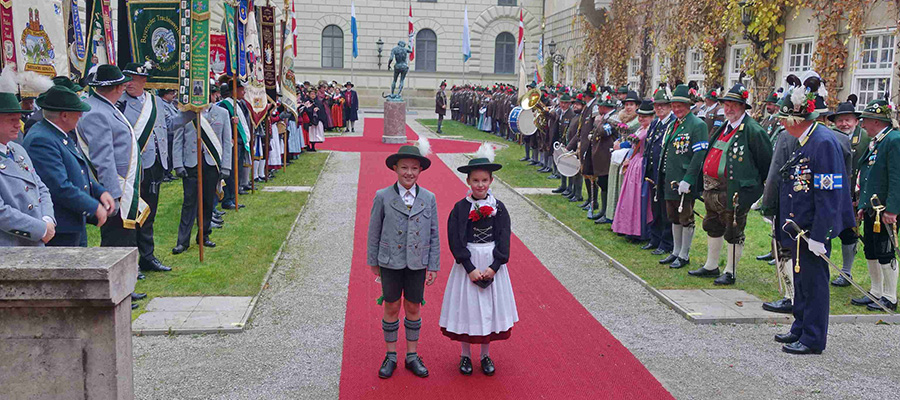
x,y
878,176
684,149
846,121
734,172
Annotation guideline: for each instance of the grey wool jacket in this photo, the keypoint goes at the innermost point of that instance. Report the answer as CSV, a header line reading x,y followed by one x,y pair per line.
x,y
401,237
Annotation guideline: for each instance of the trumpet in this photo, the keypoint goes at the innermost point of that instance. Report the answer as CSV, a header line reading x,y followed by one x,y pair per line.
x,y
532,100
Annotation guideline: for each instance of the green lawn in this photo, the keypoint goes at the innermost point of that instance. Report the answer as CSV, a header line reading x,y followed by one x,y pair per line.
x,y
245,246
514,172
753,276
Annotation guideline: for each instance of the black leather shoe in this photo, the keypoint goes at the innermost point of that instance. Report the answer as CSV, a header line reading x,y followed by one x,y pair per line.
x,y
782,306
887,303
218,213
786,337
465,365
215,225
566,193
243,192
217,220
206,242
553,176
595,215
487,366
648,246
387,368
726,279
524,159
558,190
669,259
179,249
141,276
704,273
228,206
138,296
861,301
575,199
680,263
585,205
603,220
765,257
533,163
799,348
134,306
840,282
659,252
155,265
771,262
417,367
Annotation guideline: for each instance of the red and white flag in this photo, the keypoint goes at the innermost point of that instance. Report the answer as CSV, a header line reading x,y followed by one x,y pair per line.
x,y
294,27
412,42
520,48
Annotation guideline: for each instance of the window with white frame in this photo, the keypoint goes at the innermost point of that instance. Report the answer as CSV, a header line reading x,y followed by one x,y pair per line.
x,y
737,59
695,63
634,70
872,77
799,57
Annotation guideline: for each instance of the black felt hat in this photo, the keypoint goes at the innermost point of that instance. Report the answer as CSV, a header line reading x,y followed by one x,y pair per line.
x,y
407,152
633,97
61,98
108,75
737,94
646,107
134,68
481,163
844,109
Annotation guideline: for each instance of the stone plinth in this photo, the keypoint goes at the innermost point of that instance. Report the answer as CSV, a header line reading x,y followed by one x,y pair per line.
x,y
65,323
394,122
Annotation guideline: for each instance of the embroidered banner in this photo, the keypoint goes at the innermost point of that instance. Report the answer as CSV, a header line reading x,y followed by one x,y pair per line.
x,y
255,89
99,34
241,35
155,37
40,38
267,16
74,38
194,88
288,81
7,34
218,52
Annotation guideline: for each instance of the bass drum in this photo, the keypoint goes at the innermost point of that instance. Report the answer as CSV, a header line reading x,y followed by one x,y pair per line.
x,y
558,150
522,121
568,164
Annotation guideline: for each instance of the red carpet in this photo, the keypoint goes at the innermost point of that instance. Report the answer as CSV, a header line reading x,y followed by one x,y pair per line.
x,y
557,350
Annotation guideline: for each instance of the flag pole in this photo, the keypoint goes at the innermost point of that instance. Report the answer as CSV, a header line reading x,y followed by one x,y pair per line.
x,y
234,125
201,233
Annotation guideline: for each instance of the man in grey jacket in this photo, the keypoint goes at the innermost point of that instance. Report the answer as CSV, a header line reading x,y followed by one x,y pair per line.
x,y
404,252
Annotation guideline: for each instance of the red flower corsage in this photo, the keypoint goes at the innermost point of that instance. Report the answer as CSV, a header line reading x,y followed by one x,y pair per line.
x,y
810,106
481,212
714,94
745,94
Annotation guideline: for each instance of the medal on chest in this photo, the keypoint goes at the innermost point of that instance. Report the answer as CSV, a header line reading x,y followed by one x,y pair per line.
x,y
802,175
872,158
737,152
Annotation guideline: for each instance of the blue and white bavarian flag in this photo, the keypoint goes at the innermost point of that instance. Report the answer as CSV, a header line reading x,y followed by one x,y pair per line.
x,y
354,30
467,46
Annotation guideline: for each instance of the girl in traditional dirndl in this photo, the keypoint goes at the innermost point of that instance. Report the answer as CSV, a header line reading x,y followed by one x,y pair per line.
x,y
479,305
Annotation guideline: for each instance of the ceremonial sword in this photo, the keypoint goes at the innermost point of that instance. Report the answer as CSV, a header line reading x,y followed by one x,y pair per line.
x,y
876,227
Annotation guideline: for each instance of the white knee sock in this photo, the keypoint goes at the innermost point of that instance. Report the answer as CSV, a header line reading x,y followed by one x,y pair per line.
x,y
876,274
485,350
734,255
713,250
677,231
889,273
687,236
788,270
466,349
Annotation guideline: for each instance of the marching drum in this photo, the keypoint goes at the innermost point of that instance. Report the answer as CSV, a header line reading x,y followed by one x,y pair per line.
x,y
568,164
522,121
558,150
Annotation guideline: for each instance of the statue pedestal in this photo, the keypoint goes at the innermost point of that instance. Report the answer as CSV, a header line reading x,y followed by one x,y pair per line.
x,y
394,122
65,323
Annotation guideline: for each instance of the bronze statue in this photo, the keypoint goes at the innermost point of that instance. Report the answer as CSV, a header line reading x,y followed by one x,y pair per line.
x,y
398,54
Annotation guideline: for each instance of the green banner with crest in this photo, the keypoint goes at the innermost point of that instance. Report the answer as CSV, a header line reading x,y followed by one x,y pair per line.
x,y
155,37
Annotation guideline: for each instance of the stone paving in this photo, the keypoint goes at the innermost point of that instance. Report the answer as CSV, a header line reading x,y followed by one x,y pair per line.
x,y
190,315
287,189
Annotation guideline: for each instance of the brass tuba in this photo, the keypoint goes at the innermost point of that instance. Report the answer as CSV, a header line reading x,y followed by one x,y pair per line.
x,y
532,100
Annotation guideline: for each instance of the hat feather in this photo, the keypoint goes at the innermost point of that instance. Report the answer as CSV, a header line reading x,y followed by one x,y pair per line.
x,y
8,80
486,151
424,146
34,82
798,98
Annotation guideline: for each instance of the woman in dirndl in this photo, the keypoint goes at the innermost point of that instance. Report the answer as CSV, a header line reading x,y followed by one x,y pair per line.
x,y
479,306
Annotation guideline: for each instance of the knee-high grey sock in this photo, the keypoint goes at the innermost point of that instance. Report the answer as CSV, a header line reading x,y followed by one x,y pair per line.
x,y
848,253
677,234
485,350
687,236
466,349
390,330
412,329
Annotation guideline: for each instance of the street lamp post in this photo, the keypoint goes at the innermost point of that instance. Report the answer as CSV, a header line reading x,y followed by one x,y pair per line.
x,y
558,59
380,46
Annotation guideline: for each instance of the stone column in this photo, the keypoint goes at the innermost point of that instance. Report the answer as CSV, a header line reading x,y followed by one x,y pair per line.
x,y
394,122
65,323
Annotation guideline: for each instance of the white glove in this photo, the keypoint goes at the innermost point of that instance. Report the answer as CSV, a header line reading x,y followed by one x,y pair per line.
x,y
818,249
684,187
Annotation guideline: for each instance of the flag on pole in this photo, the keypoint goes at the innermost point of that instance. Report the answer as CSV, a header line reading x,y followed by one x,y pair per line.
x,y
354,30
194,72
520,48
412,42
467,46
294,28
537,73
523,80
540,51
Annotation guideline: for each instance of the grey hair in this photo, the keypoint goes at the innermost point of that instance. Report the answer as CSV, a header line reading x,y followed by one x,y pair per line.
x,y
51,114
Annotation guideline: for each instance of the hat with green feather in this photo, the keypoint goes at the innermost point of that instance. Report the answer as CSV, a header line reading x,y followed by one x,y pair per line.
x,y
879,109
662,94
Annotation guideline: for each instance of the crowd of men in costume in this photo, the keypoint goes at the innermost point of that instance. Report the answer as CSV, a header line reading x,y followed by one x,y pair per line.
x,y
813,174
76,156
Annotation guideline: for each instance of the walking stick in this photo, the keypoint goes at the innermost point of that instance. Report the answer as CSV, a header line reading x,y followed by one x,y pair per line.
x,y
201,235
790,224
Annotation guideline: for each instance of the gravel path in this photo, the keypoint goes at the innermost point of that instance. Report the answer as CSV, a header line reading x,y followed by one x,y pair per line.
x,y
706,361
292,348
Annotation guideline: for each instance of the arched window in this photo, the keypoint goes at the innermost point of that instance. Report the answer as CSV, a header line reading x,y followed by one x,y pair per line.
x,y
426,51
505,54
332,47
